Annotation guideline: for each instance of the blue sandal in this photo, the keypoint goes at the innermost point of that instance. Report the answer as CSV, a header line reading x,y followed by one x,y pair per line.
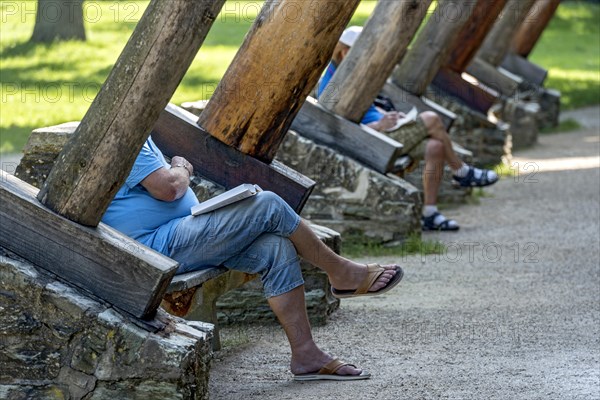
x,y
471,181
428,224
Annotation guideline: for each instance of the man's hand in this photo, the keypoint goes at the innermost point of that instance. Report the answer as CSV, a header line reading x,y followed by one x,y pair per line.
x,y
388,121
182,162
170,184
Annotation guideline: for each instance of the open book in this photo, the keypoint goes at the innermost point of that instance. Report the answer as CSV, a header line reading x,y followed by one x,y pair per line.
x,y
229,197
411,116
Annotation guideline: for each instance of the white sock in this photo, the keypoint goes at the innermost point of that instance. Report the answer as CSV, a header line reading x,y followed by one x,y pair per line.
x,y
428,211
462,171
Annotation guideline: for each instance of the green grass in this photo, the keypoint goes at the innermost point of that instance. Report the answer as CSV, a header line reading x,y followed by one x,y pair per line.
x,y
567,125
355,245
44,85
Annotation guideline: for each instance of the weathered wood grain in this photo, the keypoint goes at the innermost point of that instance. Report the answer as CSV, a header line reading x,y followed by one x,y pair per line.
x,y
176,133
382,44
100,260
491,77
96,162
363,144
433,45
277,66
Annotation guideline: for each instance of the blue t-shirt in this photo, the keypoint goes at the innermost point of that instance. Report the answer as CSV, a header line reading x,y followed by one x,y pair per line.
x,y
372,115
140,216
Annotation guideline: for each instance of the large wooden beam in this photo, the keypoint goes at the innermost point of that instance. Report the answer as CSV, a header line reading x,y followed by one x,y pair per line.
x,y
100,260
493,78
432,47
176,133
363,144
469,40
475,97
277,66
497,43
532,28
371,60
95,163
524,68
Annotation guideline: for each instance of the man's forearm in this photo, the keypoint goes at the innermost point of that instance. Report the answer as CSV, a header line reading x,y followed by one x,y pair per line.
x,y
179,180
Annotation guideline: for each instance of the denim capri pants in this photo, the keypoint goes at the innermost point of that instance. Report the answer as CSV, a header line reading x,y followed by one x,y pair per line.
x,y
249,236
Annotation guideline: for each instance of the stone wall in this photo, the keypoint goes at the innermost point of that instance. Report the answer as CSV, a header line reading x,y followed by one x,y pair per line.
x,y
57,342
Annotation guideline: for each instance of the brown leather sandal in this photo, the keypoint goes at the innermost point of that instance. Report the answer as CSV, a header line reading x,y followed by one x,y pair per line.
x,y
328,373
374,271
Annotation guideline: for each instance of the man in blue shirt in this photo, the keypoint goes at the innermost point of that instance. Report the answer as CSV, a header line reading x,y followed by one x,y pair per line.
x,y
259,235
426,138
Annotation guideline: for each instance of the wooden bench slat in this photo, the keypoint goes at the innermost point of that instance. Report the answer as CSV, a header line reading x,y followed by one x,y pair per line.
x,y
189,280
100,260
365,145
404,100
177,134
524,68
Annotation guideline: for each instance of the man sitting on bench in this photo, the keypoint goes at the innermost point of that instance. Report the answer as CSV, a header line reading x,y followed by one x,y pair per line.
x,y
426,138
258,235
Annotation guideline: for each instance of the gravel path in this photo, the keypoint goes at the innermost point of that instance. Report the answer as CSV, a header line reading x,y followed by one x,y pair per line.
x,y
510,311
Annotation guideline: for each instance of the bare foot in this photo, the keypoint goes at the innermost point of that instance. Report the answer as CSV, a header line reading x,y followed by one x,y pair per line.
x,y
354,274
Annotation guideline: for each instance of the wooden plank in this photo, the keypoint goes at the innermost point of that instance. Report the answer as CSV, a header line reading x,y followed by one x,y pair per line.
x,y
491,77
99,260
472,96
176,133
525,69
196,278
361,143
404,100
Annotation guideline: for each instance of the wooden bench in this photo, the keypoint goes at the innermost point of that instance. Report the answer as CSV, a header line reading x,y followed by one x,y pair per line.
x,y
192,295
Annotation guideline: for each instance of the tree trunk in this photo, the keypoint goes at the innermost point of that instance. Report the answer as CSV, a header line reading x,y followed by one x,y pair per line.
x,y
278,64
531,30
497,44
58,20
433,45
471,37
381,45
95,163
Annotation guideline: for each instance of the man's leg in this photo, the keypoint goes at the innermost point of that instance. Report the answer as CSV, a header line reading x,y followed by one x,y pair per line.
x,y
343,274
437,131
290,309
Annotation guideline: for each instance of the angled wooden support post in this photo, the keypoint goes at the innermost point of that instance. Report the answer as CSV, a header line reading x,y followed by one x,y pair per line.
x,y
497,43
357,82
278,64
532,28
526,38
95,163
382,44
433,46
466,45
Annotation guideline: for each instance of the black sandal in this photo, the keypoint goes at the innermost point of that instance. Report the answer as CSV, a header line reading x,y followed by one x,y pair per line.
x,y
428,224
471,181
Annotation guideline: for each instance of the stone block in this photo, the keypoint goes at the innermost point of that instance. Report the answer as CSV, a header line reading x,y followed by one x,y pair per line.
x,y
95,351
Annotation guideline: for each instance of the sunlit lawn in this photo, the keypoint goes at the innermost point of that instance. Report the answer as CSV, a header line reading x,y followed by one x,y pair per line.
x,y
45,85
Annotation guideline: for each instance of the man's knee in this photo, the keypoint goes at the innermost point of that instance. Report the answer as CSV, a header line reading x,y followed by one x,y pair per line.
x,y
432,122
